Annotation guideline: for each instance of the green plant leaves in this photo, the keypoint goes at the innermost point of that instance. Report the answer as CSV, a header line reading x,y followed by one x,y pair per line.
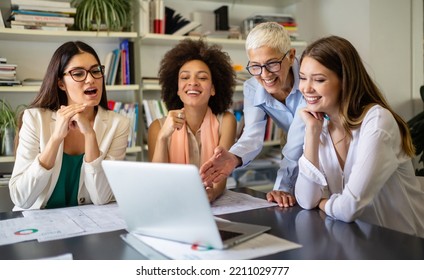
x,y
8,116
110,15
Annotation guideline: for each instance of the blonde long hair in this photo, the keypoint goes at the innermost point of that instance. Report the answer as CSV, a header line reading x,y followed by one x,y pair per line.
x,y
359,92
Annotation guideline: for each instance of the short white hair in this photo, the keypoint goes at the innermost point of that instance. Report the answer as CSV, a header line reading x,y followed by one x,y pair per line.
x,y
269,34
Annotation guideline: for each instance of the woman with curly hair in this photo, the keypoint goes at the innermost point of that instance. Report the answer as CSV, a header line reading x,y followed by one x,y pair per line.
x,y
197,83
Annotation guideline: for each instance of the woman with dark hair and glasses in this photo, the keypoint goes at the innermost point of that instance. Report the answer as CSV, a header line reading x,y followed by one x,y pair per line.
x,y
272,91
65,134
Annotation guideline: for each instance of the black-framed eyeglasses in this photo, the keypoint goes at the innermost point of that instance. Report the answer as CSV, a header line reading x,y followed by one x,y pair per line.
x,y
272,67
80,74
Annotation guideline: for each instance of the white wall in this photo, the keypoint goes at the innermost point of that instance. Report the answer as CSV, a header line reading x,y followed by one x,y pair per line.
x,y
388,39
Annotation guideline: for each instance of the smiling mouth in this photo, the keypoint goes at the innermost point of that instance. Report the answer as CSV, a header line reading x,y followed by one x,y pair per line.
x,y
312,99
269,81
193,92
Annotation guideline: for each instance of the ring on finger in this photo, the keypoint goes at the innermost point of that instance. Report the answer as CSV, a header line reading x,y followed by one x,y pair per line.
x,y
180,116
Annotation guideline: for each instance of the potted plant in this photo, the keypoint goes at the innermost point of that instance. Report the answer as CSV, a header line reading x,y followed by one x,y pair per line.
x,y
109,15
8,126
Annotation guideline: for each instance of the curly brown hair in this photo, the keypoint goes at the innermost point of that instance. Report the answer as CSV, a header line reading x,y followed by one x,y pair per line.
x,y
219,63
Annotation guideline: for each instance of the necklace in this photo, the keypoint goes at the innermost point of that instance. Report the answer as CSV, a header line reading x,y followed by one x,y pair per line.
x,y
340,140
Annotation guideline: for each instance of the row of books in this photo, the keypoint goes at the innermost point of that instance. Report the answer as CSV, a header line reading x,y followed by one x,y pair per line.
x,y
154,109
129,110
41,14
8,73
119,64
272,131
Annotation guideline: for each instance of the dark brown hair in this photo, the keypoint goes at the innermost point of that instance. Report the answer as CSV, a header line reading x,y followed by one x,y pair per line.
x,y
50,95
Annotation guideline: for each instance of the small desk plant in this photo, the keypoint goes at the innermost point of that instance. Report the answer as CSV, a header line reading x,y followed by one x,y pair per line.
x,y
102,15
8,126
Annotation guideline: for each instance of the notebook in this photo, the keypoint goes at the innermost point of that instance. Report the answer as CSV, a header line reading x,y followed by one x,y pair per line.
x,y
169,201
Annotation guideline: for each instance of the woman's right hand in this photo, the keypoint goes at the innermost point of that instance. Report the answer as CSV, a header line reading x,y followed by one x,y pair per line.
x,y
174,120
313,120
64,119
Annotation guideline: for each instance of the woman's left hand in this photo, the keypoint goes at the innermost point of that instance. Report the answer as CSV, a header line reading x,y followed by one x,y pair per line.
x,y
283,199
79,121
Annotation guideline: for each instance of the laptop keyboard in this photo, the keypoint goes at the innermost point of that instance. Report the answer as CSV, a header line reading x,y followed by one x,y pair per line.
x,y
228,234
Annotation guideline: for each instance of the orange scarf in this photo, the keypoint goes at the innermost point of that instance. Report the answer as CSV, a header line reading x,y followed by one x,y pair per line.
x,y
178,147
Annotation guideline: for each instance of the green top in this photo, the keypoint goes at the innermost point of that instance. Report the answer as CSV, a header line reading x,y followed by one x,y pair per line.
x,y
65,192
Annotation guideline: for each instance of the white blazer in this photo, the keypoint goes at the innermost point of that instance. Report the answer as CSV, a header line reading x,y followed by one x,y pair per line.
x,y
31,185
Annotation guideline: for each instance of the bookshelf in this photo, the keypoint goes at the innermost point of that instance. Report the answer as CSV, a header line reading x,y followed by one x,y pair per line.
x,y
14,46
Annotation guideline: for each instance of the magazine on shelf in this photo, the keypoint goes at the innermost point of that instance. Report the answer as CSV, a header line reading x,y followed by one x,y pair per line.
x,y
38,27
10,83
46,3
39,13
6,66
32,82
51,19
64,10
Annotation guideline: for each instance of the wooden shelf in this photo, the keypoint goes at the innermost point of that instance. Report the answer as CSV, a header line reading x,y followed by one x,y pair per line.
x,y
7,159
133,150
54,36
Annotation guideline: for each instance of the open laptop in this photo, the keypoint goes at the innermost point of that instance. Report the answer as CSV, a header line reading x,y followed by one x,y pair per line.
x,y
169,201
